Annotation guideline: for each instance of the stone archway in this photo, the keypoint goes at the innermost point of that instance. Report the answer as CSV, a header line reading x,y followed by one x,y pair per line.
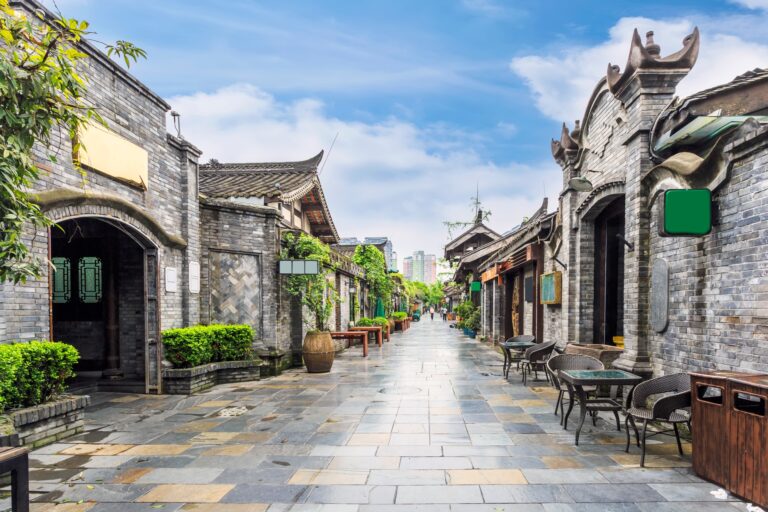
x,y
123,320
590,216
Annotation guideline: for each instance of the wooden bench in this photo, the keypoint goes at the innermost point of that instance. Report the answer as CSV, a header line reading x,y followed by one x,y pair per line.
x,y
16,462
352,335
374,329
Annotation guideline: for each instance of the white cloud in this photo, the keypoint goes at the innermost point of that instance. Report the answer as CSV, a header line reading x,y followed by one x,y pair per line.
x,y
487,7
752,4
389,178
561,82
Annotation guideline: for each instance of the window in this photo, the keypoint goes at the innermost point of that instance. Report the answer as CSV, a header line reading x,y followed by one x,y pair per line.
x,y
89,270
62,282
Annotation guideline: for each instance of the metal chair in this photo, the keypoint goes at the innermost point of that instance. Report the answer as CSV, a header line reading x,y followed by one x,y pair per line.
x,y
677,391
510,358
569,362
535,359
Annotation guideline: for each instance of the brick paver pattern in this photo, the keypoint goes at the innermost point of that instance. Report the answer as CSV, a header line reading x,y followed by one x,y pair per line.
x,y
427,423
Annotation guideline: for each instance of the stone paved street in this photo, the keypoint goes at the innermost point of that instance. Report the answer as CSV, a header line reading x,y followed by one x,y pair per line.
x,y
425,424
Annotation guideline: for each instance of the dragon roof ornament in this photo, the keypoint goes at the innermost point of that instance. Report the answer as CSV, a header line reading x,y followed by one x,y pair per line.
x,y
568,144
649,57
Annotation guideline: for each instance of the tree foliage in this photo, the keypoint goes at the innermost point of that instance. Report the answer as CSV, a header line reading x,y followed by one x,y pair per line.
x,y
372,261
42,97
314,290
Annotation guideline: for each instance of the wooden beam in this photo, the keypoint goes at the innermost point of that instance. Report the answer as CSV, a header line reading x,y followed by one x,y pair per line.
x,y
312,207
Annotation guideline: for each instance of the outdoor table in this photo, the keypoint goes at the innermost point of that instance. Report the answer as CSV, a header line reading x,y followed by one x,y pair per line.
x,y
517,346
353,335
576,380
373,328
16,462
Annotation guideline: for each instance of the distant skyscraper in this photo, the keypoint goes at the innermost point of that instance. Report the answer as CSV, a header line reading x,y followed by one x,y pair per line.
x,y
408,267
430,268
418,266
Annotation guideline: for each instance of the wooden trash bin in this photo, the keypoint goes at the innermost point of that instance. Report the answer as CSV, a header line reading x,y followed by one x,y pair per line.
x,y
748,438
710,422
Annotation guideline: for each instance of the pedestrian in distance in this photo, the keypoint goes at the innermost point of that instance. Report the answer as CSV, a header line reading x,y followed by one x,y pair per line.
x,y
431,312
444,313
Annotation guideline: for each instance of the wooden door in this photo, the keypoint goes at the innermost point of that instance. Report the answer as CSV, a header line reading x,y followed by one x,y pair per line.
x,y
609,273
153,352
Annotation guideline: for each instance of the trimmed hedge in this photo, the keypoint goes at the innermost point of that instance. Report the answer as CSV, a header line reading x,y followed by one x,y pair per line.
x,y
202,344
35,372
365,322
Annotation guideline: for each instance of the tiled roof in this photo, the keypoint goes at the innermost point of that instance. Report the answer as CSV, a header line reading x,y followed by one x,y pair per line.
x,y
742,80
274,181
285,180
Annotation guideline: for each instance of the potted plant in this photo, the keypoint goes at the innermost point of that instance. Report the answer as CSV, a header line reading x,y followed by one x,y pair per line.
x,y
473,323
317,295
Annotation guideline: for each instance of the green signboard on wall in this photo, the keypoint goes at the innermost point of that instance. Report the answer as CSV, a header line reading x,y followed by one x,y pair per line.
x,y
475,286
686,213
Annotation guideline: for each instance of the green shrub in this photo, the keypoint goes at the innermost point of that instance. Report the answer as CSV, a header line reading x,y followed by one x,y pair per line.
x,y
473,322
202,344
365,322
465,309
381,321
232,342
10,362
400,315
34,372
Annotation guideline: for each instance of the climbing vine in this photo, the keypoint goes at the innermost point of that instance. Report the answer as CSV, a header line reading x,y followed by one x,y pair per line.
x,y
314,290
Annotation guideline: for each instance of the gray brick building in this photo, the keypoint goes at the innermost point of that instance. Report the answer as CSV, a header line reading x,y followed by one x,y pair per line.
x,y
676,303
145,241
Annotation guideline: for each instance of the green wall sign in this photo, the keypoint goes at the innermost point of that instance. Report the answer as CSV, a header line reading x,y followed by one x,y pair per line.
x,y
686,213
476,286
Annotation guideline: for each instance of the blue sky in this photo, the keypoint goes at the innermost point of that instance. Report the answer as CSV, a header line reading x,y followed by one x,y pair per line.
x,y
429,97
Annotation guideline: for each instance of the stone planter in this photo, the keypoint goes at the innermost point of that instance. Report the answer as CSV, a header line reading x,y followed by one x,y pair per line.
x,y
607,354
47,423
186,381
318,352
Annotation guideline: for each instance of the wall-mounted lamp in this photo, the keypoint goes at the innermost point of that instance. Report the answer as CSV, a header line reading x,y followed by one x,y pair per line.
x,y
352,290
581,183
565,267
177,123
621,238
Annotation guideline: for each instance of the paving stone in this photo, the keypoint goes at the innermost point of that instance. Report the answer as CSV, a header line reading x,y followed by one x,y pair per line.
x,y
180,476
597,493
431,494
252,493
351,494
425,424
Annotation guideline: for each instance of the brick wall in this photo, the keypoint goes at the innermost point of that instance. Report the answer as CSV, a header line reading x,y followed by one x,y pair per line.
x,y
718,284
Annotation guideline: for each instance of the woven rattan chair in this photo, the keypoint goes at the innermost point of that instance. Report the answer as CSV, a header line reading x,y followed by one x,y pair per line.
x,y
535,360
676,391
516,357
569,362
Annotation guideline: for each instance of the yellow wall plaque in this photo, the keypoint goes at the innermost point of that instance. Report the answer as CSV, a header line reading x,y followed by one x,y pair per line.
x,y
108,153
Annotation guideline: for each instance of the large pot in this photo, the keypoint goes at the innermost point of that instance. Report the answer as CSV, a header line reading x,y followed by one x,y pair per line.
x,y
318,352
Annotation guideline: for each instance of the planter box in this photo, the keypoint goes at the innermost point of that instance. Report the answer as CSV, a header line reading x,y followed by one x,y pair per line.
x,y
186,381
47,423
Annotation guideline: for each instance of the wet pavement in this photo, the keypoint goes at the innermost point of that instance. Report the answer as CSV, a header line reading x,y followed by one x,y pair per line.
x,y
427,424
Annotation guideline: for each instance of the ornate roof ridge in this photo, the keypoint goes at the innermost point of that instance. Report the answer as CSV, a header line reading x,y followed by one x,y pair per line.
x,y
309,164
649,57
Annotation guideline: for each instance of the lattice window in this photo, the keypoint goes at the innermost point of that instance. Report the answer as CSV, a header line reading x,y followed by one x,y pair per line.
x,y
89,270
62,280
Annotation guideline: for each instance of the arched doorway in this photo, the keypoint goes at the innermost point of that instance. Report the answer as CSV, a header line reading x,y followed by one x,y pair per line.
x,y
609,273
104,302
